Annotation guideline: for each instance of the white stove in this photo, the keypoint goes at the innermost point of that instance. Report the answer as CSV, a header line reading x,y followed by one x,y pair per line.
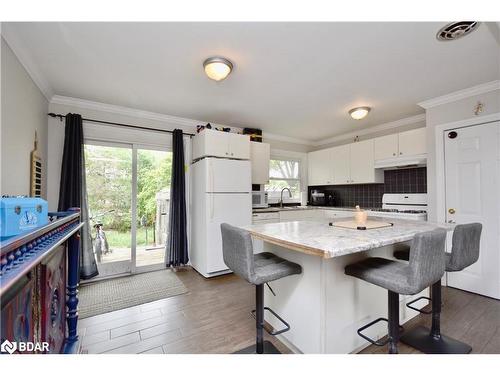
x,y
402,206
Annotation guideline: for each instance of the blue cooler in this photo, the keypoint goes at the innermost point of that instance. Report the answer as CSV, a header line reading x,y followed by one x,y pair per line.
x,y
22,214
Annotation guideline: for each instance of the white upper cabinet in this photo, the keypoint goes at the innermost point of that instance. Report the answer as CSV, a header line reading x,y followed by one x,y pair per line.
x,y
320,170
362,163
413,142
341,162
221,144
342,165
260,154
386,147
239,146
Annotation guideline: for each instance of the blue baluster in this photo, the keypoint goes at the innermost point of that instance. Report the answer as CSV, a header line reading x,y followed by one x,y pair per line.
x,y
72,290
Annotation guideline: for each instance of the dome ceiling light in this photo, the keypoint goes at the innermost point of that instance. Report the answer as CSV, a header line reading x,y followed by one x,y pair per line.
x,y
359,113
217,68
456,30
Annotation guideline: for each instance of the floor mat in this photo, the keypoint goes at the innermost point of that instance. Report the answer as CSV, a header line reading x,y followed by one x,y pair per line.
x,y
115,294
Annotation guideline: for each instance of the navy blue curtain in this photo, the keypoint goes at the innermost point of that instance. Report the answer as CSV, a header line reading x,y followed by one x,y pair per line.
x,y
73,189
177,246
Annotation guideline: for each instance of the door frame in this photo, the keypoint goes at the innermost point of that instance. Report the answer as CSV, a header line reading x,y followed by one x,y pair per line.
x,y
127,267
439,136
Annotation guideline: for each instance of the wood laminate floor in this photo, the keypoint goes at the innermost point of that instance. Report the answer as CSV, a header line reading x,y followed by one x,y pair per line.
x,y
214,317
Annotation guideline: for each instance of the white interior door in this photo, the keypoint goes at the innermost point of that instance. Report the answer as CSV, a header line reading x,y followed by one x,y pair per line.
x,y
472,162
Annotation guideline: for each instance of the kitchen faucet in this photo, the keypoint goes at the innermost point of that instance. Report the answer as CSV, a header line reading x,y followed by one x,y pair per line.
x,y
289,193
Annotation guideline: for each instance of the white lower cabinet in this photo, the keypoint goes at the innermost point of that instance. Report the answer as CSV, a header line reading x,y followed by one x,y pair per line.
x,y
299,215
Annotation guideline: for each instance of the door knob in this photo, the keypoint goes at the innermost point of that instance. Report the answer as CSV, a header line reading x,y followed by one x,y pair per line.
x,y
451,211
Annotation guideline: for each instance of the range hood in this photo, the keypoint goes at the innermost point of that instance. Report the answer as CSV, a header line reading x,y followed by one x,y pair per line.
x,y
402,162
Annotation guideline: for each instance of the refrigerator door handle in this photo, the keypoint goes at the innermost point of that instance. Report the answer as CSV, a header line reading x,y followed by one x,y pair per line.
x,y
212,206
211,176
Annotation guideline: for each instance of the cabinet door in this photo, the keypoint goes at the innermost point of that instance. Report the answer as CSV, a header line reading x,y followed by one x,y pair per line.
x,y
320,167
210,143
386,147
239,146
413,142
341,165
362,162
301,215
260,154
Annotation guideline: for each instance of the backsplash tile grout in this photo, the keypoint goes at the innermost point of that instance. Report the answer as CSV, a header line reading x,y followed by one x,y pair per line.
x,y
411,180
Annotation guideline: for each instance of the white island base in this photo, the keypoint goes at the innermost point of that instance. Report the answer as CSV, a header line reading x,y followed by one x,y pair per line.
x,y
325,307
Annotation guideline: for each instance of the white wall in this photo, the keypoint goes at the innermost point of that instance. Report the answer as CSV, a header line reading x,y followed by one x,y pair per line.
x,y
450,112
375,134
24,111
107,113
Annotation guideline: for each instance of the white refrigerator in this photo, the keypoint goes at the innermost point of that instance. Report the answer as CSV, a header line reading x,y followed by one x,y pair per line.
x,y
221,193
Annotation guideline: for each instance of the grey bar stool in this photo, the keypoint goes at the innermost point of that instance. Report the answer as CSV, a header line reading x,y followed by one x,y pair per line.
x,y
426,266
257,269
464,252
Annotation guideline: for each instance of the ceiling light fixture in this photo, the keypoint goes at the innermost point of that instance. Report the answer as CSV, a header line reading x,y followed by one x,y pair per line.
x,y
359,113
217,68
456,30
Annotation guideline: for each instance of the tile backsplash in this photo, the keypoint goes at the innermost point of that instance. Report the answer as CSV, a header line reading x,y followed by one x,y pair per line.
x,y
411,180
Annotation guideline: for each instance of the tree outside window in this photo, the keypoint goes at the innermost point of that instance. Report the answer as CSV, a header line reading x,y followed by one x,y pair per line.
x,y
283,174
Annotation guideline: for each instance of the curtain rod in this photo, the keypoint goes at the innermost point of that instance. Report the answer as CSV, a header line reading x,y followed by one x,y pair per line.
x,y
60,117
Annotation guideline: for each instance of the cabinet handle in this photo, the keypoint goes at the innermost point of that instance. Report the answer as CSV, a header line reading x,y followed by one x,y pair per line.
x,y
232,154
393,154
400,153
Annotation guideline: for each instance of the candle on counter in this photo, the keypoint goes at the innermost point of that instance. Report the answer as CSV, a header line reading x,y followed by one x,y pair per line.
x,y
360,217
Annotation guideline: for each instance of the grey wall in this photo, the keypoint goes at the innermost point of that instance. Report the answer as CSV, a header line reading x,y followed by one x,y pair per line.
x,y
24,111
447,113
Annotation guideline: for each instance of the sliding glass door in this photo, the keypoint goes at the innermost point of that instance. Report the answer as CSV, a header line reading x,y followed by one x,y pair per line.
x,y
128,190
153,203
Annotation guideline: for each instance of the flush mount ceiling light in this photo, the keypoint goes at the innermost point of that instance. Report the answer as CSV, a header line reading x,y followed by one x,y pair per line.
x,y
456,30
359,113
217,68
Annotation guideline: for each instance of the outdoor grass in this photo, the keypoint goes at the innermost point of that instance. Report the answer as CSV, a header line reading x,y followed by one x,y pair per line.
x,y
118,239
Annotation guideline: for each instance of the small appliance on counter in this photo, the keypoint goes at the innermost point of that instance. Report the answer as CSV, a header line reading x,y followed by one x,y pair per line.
x,y
260,199
317,197
21,214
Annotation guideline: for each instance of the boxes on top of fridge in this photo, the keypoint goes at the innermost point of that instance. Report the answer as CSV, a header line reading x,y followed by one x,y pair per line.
x,y
22,214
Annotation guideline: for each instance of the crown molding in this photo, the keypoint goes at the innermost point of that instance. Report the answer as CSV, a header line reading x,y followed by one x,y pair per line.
x,y
26,60
284,138
127,111
374,129
461,94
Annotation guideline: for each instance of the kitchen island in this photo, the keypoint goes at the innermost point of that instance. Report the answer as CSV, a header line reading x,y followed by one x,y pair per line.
x,y
324,306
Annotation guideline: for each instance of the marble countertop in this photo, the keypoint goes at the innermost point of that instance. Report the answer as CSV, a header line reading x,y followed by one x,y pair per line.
x,y
320,239
302,208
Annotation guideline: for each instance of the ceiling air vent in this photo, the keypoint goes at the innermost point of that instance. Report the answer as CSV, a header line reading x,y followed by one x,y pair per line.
x,y
456,30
